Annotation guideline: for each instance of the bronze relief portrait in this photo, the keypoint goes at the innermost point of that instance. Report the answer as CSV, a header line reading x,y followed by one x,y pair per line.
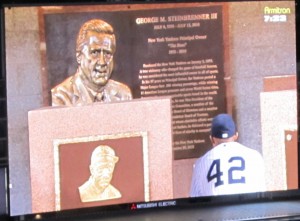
x,y
95,48
98,186
101,170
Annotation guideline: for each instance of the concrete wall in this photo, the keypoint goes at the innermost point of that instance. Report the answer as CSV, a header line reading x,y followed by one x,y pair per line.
x,y
24,94
257,50
278,113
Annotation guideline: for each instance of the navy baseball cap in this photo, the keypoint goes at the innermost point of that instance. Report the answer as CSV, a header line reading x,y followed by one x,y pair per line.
x,y
223,126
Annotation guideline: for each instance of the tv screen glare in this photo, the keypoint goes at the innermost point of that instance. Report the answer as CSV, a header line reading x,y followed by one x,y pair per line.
x,y
184,63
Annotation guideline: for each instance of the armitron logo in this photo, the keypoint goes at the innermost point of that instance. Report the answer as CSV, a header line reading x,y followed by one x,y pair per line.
x,y
277,10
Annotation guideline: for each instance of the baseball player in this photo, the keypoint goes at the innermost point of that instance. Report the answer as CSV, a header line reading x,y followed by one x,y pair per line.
x,y
229,167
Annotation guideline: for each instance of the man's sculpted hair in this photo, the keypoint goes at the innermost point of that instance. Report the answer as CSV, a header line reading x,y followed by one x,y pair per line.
x,y
95,25
103,151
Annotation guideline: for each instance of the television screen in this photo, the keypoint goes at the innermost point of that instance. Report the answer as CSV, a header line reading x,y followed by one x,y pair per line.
x,y
165,70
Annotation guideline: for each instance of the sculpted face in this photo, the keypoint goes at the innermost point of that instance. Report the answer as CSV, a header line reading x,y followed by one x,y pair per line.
x,y
96,59
102,173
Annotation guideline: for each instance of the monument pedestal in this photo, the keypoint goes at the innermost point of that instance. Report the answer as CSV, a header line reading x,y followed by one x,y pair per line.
x,y
62,138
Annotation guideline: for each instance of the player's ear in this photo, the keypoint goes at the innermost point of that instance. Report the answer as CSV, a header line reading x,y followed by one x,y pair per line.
x,y
78,57
211,140
236,136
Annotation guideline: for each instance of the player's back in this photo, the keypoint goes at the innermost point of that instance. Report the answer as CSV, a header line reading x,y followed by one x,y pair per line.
x,y
228,168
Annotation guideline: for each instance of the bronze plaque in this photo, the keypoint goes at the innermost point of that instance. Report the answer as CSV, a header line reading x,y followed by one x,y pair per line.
x,y
73,162
184,59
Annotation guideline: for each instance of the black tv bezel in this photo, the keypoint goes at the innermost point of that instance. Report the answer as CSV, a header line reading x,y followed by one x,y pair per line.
x,y
127,208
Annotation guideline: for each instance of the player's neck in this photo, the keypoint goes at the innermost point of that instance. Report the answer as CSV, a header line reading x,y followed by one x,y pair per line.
x,y
217,141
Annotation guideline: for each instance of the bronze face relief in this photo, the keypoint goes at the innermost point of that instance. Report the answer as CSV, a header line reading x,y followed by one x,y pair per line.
x,y
97,170
95,48
98,187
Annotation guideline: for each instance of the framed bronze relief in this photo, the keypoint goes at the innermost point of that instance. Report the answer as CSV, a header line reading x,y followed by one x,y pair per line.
x,y
101,170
